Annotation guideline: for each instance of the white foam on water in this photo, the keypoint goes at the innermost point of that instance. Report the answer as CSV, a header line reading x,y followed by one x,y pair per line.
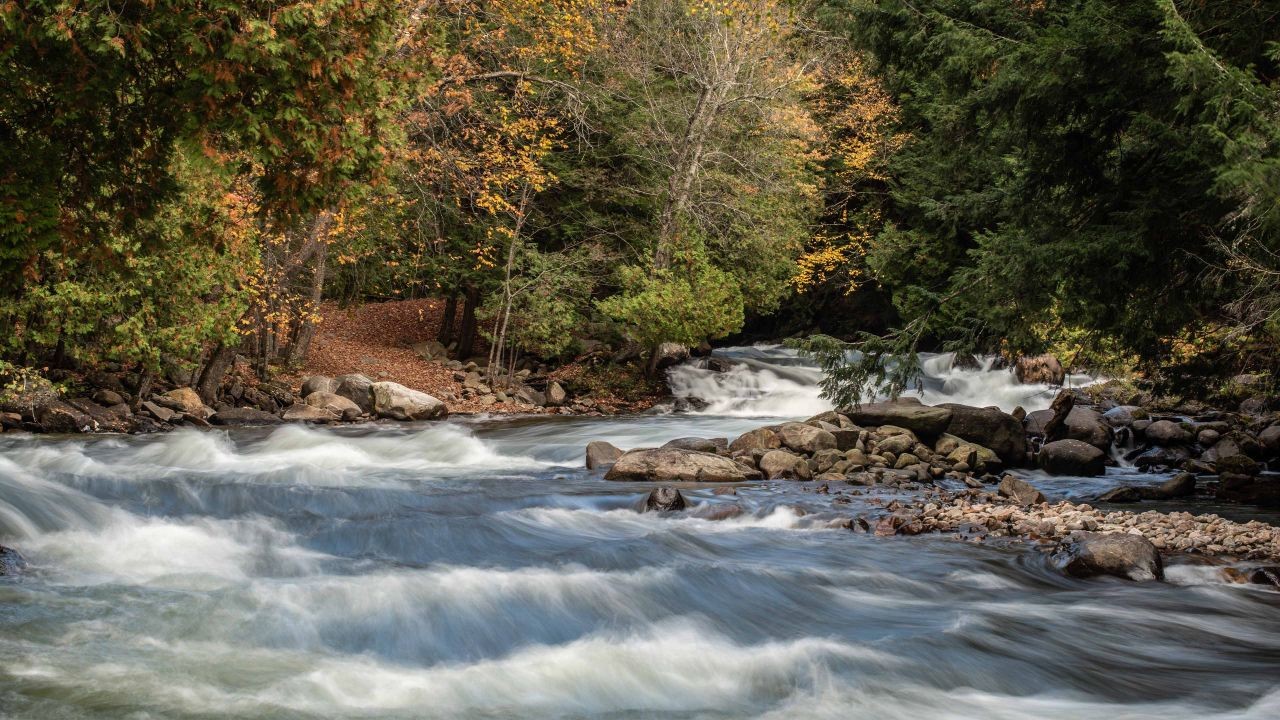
x,y
629,524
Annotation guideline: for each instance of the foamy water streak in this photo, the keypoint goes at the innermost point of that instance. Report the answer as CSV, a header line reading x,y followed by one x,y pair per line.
x,y
773,381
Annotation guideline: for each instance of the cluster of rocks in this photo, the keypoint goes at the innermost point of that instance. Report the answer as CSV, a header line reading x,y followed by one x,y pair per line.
x,y
528,388
119,408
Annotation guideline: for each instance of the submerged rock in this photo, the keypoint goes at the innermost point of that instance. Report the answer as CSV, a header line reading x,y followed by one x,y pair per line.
x,y
665,499
1090,554
675,464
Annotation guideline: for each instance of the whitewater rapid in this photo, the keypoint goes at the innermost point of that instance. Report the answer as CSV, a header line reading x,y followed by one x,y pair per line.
x,y
474,569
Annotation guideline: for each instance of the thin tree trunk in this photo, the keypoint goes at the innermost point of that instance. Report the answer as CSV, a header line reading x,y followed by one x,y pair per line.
x,y
144,389
467,333
447,322
211,377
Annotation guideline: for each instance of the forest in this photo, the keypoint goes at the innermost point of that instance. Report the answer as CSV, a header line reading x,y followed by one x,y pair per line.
x,y
186,181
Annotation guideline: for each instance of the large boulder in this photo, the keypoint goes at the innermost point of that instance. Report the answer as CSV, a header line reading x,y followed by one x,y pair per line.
x,y
397,402
710,445
991,428
1124,415
669,354
303,412
601,454
61,417
806,438
317,383
1081,424
342,407
357,388
1270,439
782,465
665,499
675,464
1072,457
1039,370
758,439
1167,432
1088,554
1020,491
244,416
184,400
925,421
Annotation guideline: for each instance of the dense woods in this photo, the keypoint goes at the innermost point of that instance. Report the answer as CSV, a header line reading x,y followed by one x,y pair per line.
x,y
186,181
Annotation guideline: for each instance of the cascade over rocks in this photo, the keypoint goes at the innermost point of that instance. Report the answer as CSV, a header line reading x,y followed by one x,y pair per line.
x,y
1089,554
675,464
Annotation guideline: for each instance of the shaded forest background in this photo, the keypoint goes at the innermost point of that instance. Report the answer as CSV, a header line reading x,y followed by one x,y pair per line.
x,y
182,182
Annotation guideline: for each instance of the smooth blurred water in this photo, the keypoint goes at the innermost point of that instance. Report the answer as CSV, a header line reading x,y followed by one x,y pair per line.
x,y
473,569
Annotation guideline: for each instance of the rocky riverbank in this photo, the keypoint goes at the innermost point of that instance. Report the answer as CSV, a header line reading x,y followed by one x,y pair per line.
x,y
948,464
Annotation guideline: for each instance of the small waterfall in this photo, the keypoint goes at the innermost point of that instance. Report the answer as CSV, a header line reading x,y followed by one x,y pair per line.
x,y
774,381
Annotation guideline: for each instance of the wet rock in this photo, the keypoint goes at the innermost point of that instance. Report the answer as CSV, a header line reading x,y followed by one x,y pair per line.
x,y
102,419
782,465
244,416
674,464
303,412
357,388
1039,370
989,428
1080,423
1122,494
397,402
1162,457
1020,491
1072,457
757,438
601,454
806,438
1238,464
664,499
1208,437
340,406
11,561
711,445
1180,485
1090,554
317,383
925,421
61,417
1268,575
1124,415
1167,432
1250,489
1270,439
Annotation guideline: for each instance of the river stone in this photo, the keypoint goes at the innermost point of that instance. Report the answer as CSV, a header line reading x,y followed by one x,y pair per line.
x,y
664,499
1124,415
1039,370
183,399
782,465
1270,438
806,438
896,444
556,395
1089,554
1167,432
397,402
976,455
674,464
1168,456
1265,575
710,445
107,398
601,454
990,428
61,417
305,412
357,388
1180,485
1020,491
317,383
102,419
342,407
244,416
163,414
1081,424
1122,494
11,561
760,438
1238,464
1072,457
925,421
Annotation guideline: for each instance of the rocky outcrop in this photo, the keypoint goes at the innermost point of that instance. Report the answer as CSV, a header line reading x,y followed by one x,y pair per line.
x,y
925,421
1072,457
665,499
601,454
397,402
1090,554
674,464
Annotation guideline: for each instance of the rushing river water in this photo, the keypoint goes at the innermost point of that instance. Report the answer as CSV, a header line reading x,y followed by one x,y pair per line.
x,y
472,569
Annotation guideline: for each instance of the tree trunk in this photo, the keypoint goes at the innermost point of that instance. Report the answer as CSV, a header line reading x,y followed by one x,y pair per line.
x,y
302,343
144,390
211,377
467,332
446,323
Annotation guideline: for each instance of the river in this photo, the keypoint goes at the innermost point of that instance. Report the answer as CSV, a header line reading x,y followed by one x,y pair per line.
x,y
473,569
